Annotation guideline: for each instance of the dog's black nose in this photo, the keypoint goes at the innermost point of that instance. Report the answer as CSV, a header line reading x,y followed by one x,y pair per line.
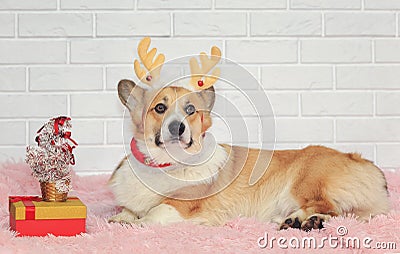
x,y
176,128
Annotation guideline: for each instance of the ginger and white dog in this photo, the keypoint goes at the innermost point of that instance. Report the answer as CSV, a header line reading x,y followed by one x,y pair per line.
x,y
299,189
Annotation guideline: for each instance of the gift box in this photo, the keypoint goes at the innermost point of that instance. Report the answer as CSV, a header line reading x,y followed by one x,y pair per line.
x,y
31,216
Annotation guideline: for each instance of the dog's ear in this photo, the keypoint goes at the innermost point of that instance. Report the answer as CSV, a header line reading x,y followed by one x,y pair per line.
x,y
208,96
129,92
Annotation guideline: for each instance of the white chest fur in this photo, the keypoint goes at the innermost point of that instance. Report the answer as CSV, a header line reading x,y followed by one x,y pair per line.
x,y
132,190
131,193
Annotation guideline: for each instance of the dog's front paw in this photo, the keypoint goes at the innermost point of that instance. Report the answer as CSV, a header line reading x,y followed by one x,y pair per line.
x,y
290,223
314,221
124,217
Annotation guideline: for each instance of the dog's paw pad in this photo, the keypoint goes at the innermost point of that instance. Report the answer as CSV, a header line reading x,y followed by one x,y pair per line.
x,y
313,222
291,223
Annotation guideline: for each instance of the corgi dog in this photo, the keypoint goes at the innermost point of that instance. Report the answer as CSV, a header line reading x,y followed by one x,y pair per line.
x,y
298,188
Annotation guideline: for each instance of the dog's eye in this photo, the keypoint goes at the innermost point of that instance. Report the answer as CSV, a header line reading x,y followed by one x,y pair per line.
x,y
190,109
160,108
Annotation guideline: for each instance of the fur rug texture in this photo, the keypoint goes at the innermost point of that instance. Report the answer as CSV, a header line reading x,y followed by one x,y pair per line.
x,y
240,235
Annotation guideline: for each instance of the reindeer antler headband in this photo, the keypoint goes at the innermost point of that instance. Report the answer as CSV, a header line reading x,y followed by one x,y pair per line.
x,y
199,80
153,67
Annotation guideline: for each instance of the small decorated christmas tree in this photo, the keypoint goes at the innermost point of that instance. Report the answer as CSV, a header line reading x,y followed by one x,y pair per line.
x,y
52,158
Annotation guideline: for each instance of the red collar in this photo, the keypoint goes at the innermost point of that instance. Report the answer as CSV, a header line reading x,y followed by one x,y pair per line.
x,y
143,159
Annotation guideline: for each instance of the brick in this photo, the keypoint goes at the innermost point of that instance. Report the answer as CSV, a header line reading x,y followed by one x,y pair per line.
x,y
115,74
387,103
88,131
103,51
285,23
66,78
387,155
387,51
237,130
96,105
335,51
246,103
7,25
297,77
185,48
24,52
255,51
133,24
360,24
254,4
174,4
238,77
98,158
12,133
336,104
96,4
368,130
212,24
12,79
55,25
325,4
284,103
368,77
83,131
292,130
115,132
179,48
28,5
32,105
381,5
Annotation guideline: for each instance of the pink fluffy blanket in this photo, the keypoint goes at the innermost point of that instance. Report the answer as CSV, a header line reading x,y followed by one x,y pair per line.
x,y
238,236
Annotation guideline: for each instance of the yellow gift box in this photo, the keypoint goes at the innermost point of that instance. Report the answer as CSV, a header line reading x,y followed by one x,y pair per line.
x,y
29,215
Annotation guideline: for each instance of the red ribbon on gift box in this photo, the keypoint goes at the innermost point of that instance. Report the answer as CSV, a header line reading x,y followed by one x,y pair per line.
x,y
28,203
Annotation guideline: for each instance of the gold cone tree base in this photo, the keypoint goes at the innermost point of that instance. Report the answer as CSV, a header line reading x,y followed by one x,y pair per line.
x,y
51,194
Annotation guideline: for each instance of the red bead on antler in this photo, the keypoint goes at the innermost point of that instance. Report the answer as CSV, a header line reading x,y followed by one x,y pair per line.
x,y
200,83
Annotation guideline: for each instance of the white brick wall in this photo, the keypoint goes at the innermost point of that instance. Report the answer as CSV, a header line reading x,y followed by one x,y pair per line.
x,y
66,78
7,25
21,51
335,51
326,4
139,24
285,24
331,68
55,25
360,24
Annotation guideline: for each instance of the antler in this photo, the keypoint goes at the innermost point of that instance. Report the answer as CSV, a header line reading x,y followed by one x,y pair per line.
x,y
207,64
146,57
